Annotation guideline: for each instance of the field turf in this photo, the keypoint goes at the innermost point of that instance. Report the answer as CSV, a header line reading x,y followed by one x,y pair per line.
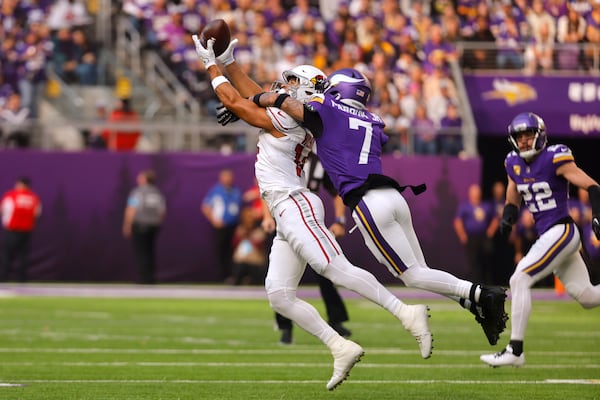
x,y
222,345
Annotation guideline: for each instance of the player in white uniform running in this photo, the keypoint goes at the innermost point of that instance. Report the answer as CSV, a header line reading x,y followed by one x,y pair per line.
x,y
538,178
349,142
302,236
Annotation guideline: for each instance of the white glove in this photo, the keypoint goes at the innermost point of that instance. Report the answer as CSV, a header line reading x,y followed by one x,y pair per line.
x,y
227,57
206,55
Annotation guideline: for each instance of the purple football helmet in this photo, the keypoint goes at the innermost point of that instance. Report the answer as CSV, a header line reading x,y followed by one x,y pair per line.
x,y
350,87
528,122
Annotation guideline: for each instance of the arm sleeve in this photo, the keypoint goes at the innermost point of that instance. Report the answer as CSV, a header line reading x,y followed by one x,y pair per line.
x,y
312,120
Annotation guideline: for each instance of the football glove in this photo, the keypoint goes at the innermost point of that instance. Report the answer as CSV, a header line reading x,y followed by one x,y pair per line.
x,y
509,217
224,116
227,57
207,55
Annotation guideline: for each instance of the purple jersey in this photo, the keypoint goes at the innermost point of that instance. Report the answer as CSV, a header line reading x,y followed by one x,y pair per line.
x,y
351,144
544,193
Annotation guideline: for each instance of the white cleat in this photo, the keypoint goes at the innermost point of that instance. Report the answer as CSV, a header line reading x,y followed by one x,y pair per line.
x,y
344,358
503,358
415,319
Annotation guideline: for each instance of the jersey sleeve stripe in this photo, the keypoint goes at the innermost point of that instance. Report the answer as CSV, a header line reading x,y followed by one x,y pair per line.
x,y
562,157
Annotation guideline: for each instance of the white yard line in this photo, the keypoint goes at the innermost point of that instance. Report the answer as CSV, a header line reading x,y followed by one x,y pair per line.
x,y
277,365
306,349
311,382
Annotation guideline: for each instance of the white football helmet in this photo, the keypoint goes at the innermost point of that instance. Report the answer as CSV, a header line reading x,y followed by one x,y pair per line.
x,y
310,81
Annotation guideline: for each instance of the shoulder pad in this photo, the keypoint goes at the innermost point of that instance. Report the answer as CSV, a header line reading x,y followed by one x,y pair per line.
x,y
317,98
561,154
281,121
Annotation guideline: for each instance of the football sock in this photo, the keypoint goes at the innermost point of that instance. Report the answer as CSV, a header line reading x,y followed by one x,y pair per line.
x,y
517,346
475,293
466,304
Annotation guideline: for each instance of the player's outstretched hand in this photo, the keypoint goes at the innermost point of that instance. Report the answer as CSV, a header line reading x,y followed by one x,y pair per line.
x,y
224,116
227,57
596,226
207,55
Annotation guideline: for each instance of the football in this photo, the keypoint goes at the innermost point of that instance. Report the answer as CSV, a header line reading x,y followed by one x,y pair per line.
x,y
219,30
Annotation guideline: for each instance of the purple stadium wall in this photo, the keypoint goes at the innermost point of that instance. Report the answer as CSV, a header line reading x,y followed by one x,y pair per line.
x,y
79,238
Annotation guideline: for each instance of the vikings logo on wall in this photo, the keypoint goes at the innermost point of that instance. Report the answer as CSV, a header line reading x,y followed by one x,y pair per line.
x,y
510,91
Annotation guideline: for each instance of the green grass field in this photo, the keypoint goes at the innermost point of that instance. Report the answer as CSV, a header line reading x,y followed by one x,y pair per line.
x,y
160,348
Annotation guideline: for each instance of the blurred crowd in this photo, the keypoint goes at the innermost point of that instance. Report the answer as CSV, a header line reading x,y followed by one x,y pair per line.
x,y
403,46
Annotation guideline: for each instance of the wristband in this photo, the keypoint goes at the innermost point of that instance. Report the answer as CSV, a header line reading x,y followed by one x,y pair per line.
x,y
218,80
256,99
510,213
340,220
280,99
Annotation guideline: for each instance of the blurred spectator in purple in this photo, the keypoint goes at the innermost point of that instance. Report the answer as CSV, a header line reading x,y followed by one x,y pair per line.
x,y
424,130
396,127
466,9
592,33
508,41
156,16
300,12
192,19
480,57
136,11
474,226
570,33
9,60
556,8
32,73
274,13
438,51
583,7
450,138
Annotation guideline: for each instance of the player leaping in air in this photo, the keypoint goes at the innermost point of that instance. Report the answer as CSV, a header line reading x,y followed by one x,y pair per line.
x,y
349,142
302,236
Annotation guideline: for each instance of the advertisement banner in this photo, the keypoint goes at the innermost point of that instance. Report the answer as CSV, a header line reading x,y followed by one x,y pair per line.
x,y
570,106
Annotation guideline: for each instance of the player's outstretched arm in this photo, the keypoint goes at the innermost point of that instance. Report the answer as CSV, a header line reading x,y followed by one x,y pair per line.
x,y
293,107
576,176
228,95
301,112
242,82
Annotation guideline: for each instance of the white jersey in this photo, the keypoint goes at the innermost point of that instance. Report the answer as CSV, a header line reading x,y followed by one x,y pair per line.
x,y
280,161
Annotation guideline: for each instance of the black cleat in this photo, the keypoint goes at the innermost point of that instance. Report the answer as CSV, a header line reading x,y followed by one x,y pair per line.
x,y
286,337
489,312
341,329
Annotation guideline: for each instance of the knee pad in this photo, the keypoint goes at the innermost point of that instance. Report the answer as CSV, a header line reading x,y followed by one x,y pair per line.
x,y
520,278
280,299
